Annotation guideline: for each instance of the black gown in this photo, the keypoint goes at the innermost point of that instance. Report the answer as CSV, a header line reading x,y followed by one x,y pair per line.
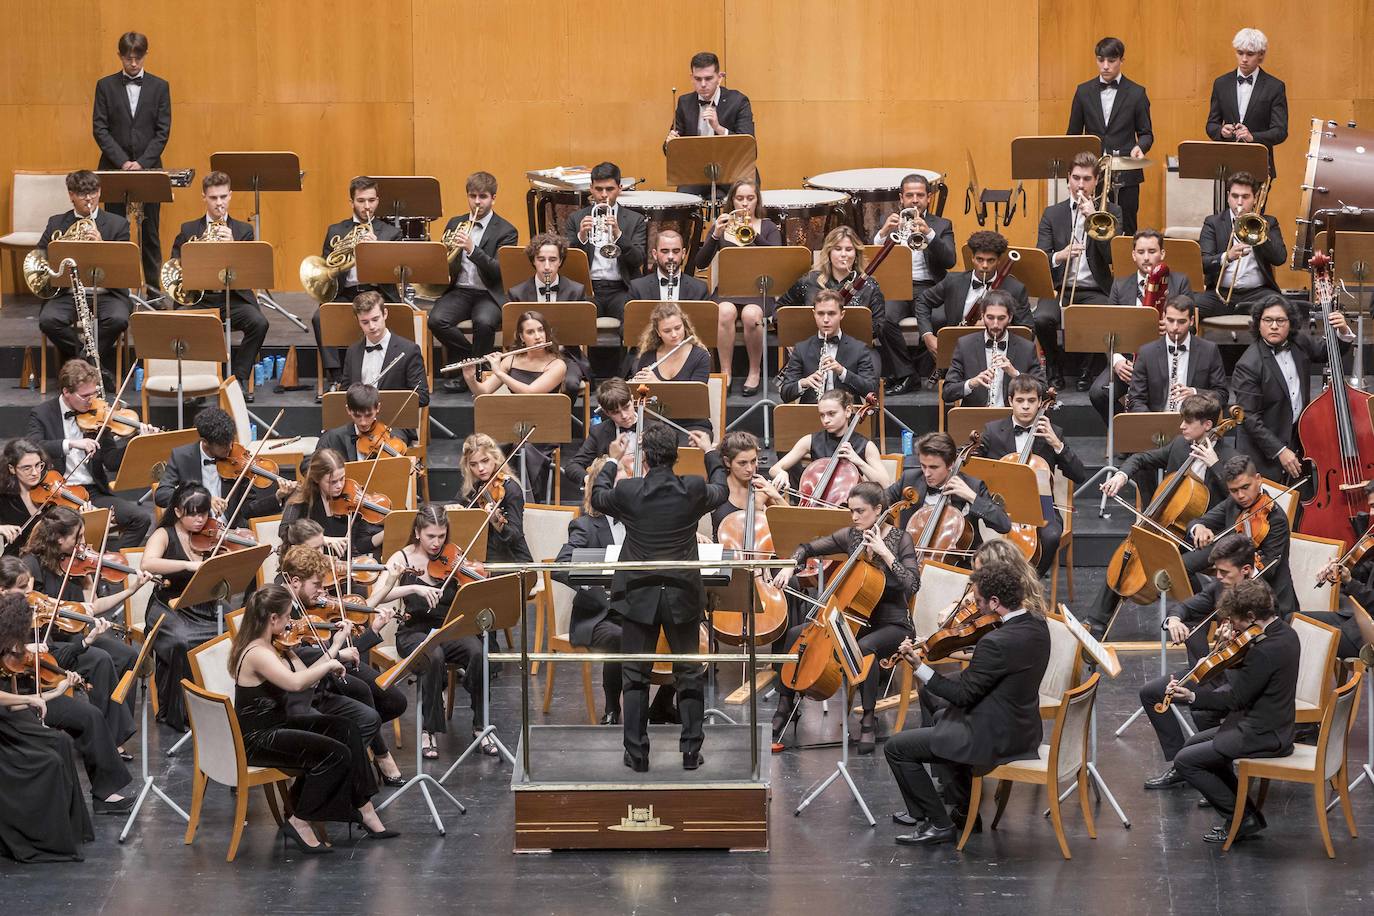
x,y
42,815
335,526
182,630
538,458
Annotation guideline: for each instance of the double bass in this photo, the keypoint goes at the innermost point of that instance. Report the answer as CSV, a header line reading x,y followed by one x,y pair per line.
x,y
1336,433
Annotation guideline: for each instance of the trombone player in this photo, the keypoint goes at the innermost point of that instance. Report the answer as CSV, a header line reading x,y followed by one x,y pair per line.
x,y
1241,246
84,222
216,225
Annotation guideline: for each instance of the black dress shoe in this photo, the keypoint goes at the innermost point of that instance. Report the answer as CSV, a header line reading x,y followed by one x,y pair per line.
x,y
611,718
387,834
123,806
634,763
456,385
750,390
1083,383
125,756
898,386
960,816
1166,780
692,759
1057,381
931,836
906,820
1249,826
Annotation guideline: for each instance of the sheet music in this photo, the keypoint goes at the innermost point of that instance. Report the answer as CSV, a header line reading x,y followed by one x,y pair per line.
x,y
1104,655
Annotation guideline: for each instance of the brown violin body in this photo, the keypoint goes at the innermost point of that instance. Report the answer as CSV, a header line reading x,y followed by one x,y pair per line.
x,y
205,540
443,566
68,616
1219,659
53,488
353,608
770,620
114,566
49,672
263,472
379,438
122,421
372,508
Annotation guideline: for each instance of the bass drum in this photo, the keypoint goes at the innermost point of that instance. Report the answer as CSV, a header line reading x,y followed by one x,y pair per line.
x,y
1340,172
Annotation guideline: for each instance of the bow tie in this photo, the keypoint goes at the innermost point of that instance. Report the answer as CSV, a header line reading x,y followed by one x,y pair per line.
x,y
996,344
133,80
1021,430
1278,348
1114,84
372,348
1248,80
69,414
667,281
705,103
548,290
977,284
1180,348
208,461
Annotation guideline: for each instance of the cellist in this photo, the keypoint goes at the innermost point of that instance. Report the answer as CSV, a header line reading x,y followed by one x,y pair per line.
x,y
828,442
888,547
1246,489
932,473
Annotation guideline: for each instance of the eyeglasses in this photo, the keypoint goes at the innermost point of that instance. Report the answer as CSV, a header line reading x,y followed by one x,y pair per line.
x,y
1275,322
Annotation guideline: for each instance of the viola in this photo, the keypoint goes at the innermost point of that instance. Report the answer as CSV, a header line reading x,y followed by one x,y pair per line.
x,y
940,527
1025,537
67,616
205,540
262,471
353,608
113,565
449,563
372,508
54,489
49,672
746,531
121,421
1224,656
1350,559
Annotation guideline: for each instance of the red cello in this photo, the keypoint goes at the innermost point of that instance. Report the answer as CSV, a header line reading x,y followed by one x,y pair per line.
x,y
1336,433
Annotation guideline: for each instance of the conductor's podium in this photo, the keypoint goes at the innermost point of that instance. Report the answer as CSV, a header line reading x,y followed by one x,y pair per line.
x,y
580,795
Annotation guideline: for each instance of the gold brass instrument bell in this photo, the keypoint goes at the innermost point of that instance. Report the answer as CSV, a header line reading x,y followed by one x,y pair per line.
x,y
320,276
38,275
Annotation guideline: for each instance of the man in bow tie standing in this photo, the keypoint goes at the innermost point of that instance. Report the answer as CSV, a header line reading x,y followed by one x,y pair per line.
x,y
1249,105
131,122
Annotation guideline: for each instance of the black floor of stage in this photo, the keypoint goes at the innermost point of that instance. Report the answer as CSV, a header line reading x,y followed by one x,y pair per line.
x,y
826,860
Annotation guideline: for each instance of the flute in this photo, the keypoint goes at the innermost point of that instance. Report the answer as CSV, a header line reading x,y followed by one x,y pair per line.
x,y
689,339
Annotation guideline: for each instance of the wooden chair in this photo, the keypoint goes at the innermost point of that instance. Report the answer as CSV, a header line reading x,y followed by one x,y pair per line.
x,y
1316,765
267,530
1316,666
1059,763
1063,496
941,586
136,615
280,449
220,756
1062,672
1307,556
546,531
210,662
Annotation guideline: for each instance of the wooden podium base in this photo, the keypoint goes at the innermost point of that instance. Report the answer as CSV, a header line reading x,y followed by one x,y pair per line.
x,y
584,797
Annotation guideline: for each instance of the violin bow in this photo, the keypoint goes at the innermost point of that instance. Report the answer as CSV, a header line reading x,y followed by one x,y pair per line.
x,y
1273,501
109,414
502,466
1158,528
243,497
305,619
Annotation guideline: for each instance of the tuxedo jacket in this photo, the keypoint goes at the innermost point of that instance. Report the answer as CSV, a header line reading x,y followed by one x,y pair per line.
x,y
407,374
993,714
384,231
1257,385
122,136
1126,290
184,464
1266,116
568,291
1273,550
1000,439
950,294
498,232
597,443
1129,126
648,287
45,428
633,241
861,377
1149,389
971,357
241,232
1169,458
733,112
592,603
939,251
660,512
1053,234
983,508
112,228
1216,240
1258,697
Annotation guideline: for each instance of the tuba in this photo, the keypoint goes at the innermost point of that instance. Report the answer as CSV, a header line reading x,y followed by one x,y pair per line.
x,y
452,250
170,275
38,273
320,276
740,228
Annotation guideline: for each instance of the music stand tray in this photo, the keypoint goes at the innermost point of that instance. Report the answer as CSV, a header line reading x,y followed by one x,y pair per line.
x,y
1049,156
392,477
573,323
516,268
1017,484
113,265
501,415
225,266
687,400
334,409
894,274
712,160
402,263
704,316
257,172
960,421
409,195
1033,270
179,336
145,457
793,526
135,186
221,577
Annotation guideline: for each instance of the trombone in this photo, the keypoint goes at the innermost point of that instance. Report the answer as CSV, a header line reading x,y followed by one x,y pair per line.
x,y
1099,225
1248,229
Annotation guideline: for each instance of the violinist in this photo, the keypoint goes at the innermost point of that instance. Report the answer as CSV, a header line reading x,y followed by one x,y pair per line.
x,y
411,577
831,359
1245,510
740,452
984,365
612,421
335,781
53,425
199,462
22,466
363,406
1355,577
834,407
1002,437
932,474
889,548
1179,364
315,499
306,573
989,713
947,302
488,487
43,818
1257,697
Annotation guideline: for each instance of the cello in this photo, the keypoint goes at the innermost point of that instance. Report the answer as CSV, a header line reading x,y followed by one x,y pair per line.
x,y
1336,433
939,527
1024,536
827,481
746,531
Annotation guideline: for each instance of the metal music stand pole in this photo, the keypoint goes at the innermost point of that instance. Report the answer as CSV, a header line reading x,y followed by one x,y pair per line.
x,y
118,696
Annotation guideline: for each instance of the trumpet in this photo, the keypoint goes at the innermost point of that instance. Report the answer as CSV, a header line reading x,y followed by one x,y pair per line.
x,y
170,274
906,233
320,276
38,273
1248,229
601,238
740,229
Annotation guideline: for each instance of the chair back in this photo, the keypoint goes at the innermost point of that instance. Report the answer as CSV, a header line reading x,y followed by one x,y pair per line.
x,y
1307,556
210,665
546,531
267,530
1069,742
232,402
1317,659
941,586
215,731
1288,502
715,391
233,620
1336,722
34,197
1062,670
136,607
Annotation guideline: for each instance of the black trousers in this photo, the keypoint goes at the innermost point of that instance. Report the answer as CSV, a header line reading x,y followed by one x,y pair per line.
x,y
1049,535
1127,197
331,358
368,706
179,634
102,664
1210,305
606,638
93,741
466,653
922,362
461,304
689,681
879,640
1351,640
151,242
907,753
57,321
1166,726
610,297
133,521
245,317
335,776
1210,772
1106,393
887,335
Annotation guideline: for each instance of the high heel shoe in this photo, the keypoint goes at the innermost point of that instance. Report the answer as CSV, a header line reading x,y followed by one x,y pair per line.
x,y
370,834
868,733
393,781
289,834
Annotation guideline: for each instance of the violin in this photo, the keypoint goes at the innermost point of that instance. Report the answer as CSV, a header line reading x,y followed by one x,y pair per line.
x,y
49,672
121,421
964,626
1225,655
372,508
746,531
448,563
940,527
54,489
1025,537
205,540
1348,560
67,616
353,608
829,480
365,569
309,628
262,471
379,440
113,565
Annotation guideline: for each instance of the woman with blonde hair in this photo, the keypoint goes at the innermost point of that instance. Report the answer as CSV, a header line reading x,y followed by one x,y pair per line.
x,y
668,327
1000,550
506,523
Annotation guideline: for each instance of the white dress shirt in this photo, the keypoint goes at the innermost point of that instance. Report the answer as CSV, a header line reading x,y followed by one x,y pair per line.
x,y
604,268
71,431
828,381
551,296
209,474
1243,273
995,388
704,129
467,273
1289,369
1079,234
1244,91
617,530
975,292
133,91
1108,100
373,360
670,291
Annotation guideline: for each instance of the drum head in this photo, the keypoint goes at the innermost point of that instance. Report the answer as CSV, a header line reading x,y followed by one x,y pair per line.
x,y
1340,172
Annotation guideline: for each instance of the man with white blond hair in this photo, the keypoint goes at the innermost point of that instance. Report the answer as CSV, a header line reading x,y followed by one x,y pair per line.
x,y
1249,105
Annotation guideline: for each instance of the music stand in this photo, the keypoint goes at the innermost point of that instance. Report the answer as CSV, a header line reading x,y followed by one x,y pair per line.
x,y
94,523
1145,430
501,416
221,577
573,323
112,265
402,263
516,267
1018,485
179,336
703,315
136,186
228,266
1049,157
403,196
145,457
963,420
1033,270
400,403
895,271
1217,160
718,160
948,338
463,525
479,608
258,172
391,477
792,526
688,400
766,272
1106,659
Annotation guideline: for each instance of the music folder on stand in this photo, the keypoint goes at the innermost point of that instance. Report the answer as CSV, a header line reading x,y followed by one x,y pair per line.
x,y
136,186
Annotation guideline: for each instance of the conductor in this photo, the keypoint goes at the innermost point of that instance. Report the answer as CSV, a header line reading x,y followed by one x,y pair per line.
x,y
660,512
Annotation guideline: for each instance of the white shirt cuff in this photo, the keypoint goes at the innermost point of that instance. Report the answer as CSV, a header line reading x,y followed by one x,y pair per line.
x,y
1346,335
924,673
1118,359
968,388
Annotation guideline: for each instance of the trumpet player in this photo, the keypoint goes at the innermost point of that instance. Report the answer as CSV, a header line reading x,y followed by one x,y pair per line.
x,y
364,198
475,289
614,238
85,222
1237,271
244,313
668,282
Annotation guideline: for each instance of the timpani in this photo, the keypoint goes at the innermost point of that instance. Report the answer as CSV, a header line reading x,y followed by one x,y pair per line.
x,y
806,215
874,193
669,209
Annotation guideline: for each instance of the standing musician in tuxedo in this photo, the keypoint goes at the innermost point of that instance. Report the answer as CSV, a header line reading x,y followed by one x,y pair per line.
x,y
929,265
984,365
1257,696
373,360
1245,486
1356,584
1271,383
245,315
628,232
57,317
668,282
1230,265
131,123
829,360
1062,237
1117,111
1248,104
196,462
711,110
989,714
53,426
931,474
1002,437
954,296
660,512
475,289
364,198
546,252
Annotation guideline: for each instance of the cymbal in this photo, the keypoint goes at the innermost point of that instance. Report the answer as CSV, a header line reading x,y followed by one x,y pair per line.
x,y
1123,163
